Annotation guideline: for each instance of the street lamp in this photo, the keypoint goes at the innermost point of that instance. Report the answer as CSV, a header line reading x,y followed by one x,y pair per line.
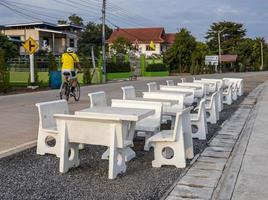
x,y
219,42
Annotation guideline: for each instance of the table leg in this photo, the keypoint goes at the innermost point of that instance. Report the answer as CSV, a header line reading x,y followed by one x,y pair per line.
x,y
128,152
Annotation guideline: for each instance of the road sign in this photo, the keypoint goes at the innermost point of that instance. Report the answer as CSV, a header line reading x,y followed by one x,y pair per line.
x,y
30,45
212,60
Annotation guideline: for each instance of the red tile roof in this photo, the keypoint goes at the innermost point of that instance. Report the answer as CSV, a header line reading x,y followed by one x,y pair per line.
x,y
228,58
141,35
170,37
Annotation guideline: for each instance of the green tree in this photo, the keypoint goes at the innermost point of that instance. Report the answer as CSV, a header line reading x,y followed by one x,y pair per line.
x,y
231,36
4,74
9,48
92,37
121,45
198,58
179,55
76,20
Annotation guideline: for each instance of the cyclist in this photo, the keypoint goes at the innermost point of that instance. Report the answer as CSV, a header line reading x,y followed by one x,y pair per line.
x,y
70,61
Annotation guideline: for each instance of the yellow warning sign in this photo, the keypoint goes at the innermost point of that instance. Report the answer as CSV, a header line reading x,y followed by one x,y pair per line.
x,y
30,45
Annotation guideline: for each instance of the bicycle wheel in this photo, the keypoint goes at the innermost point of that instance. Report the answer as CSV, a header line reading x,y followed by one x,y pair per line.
x,y
77,92
64,91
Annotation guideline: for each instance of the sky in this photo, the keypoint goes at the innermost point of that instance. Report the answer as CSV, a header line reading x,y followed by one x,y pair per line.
x,y
195,15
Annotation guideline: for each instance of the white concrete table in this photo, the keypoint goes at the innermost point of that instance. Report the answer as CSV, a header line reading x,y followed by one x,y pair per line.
x,y
164,95
128,118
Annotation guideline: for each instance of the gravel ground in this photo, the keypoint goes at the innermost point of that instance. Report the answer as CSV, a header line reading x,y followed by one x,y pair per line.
x,y
30,176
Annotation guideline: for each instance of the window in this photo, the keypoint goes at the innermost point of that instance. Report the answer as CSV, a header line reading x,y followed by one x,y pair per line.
x,y
71,42
45,42
148,48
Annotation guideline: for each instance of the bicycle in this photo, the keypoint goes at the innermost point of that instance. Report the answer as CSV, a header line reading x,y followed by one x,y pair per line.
x,y
65,89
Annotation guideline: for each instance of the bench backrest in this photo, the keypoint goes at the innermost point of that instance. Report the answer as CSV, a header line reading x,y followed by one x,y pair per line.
x,y
182,124
97,99
210,86
46,110
170,82
213,103
152,86
218,81
191,84
202,108
176,88
128,92
156,106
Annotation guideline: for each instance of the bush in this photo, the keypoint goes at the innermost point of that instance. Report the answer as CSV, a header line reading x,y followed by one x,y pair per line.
x,y
156,67
4,74
116,67
87,78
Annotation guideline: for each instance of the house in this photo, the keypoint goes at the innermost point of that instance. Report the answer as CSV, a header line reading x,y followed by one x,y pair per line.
x,y
49,36
143,37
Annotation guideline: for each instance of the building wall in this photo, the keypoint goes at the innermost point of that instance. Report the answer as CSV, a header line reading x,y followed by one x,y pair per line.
x,y
61,40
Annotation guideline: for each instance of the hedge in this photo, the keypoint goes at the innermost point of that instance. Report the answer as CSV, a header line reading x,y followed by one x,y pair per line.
x,y
156,67
114,67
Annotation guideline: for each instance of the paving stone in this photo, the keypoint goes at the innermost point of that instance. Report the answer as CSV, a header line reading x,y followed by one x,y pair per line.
x,y
180,198
195,172
230,141
225,135
198,181
216,154
212,160
219,149
192,192
208,166
220,144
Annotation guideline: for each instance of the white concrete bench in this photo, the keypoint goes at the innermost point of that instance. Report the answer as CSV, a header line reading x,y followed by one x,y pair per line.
x,y
239,82
170,82
212,112
220,87
210,86
173,147
189,100
75,129
200,88
179,98
199,122
128,92
97,99
47,126
148,126
228,95
152,87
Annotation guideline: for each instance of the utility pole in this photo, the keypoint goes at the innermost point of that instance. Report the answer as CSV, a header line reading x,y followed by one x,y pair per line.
x,y
219,42
103,42
261,68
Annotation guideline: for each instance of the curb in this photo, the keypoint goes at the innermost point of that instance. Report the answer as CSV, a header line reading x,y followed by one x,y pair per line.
x,y
17,149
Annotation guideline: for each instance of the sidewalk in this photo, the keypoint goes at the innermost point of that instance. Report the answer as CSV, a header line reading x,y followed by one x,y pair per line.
x,y
252,181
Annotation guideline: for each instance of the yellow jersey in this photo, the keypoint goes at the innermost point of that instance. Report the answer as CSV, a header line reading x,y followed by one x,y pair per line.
x,y
68,61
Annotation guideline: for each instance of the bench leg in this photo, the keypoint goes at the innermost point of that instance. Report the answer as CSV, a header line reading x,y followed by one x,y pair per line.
x,y
42,148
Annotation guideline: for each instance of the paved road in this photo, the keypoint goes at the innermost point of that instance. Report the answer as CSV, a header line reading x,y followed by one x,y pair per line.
x,y
18,114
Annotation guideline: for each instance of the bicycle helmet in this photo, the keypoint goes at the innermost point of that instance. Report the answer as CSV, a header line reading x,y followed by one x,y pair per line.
x,y
70,50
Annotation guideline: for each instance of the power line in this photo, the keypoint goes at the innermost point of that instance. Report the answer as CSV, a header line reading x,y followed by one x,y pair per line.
x,y
19,12
124,30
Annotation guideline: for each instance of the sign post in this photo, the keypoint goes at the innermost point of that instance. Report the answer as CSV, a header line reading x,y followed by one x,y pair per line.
x,y
212,60
31,46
